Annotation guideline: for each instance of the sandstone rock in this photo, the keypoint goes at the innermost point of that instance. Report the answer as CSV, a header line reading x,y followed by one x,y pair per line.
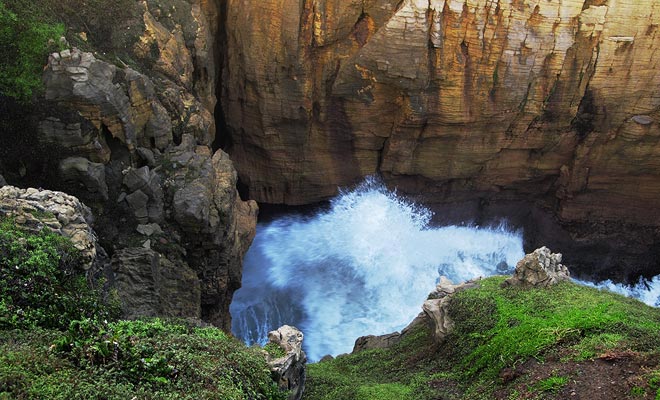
x,y
149,285
289,370
89,174
540,268
448,100
64,214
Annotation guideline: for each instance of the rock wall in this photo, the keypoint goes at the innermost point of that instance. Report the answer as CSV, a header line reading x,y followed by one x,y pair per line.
x,y
130,133
553,103
554,100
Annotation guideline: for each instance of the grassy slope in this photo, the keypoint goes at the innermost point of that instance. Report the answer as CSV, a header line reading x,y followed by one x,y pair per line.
x,y
503,342
56,341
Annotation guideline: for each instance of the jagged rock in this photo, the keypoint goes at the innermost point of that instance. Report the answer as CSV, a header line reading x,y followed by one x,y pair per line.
x,y
122,101
64,214
137,201
437,306
149,229
540,268
91,175
149,285
288,370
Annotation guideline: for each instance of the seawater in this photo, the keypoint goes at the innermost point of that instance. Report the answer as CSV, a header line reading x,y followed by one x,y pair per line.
x,y
364,266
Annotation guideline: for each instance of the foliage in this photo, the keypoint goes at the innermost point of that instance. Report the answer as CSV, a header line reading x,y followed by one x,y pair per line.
x,y
274,350
24,45
59,341
151,359
41,283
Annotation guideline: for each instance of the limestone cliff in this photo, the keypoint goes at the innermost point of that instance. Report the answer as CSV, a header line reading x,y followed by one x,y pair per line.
x,y
554,102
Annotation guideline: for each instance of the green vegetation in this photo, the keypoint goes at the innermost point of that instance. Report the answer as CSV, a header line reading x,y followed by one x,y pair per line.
x,y
58,340
41,283
497,330
24,45
552,384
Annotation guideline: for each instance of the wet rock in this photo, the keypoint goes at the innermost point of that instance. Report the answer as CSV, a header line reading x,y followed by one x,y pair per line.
x,y
288,370
540,268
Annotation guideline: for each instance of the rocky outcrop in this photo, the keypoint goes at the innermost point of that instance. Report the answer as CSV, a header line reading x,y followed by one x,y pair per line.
x,y
437,306
35,209
453,101
541,268
129,130
288,370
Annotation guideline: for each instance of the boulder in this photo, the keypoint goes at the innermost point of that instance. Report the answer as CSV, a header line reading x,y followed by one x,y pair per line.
x,y
376,342
541,268
64,214
288,370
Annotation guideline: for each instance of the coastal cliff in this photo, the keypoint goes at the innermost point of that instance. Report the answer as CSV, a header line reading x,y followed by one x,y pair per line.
x,y
463,103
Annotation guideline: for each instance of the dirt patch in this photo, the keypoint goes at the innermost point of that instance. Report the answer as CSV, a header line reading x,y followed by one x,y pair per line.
x,y
611,376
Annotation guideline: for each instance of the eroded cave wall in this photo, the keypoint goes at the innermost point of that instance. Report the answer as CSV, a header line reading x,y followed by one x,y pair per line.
x,y
552,101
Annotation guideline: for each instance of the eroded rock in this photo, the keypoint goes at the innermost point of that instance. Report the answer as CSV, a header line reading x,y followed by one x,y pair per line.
x,y
64,214
288,370
541,268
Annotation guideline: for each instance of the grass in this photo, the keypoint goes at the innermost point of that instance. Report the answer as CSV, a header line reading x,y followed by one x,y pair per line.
x,y
495,328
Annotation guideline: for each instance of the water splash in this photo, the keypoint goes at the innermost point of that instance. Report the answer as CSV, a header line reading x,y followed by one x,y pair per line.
x,y
362,267
645,290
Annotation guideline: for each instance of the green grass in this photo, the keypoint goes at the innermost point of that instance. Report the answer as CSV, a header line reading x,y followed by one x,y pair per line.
x,y
552,384
495,328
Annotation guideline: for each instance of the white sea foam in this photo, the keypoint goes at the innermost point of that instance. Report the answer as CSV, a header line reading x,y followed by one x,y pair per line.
x,y
362,267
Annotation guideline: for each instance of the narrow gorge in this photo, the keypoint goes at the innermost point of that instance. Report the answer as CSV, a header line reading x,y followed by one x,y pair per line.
x,y
176,121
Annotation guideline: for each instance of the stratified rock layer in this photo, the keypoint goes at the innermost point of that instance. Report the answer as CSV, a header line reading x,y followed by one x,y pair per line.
x,y
542,100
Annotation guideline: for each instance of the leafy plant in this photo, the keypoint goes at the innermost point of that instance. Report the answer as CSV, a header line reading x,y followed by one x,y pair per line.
x,y
41,281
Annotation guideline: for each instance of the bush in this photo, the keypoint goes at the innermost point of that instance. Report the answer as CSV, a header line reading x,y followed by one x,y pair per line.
x,y
41,283
24,45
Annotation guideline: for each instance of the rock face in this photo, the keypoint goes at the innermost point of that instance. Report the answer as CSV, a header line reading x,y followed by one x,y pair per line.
x,y
288,370
135,144
35,209
548,102
436,307
542,268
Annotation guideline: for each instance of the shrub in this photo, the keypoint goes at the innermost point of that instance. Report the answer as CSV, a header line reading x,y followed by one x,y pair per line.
x,y
24,45
41,283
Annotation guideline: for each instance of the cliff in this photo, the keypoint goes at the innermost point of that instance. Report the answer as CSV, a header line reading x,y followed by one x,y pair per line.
x,y
551,103
125,123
